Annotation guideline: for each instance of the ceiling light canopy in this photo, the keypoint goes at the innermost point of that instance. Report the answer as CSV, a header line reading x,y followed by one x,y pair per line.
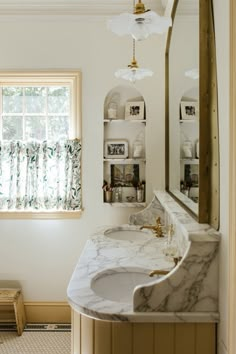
x,y
140,24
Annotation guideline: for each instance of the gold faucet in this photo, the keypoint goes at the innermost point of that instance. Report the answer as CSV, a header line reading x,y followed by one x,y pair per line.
x,y
158,272
164,272
158,228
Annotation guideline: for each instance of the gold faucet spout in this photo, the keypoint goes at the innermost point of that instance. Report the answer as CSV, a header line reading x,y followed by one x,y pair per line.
x,y
158,272
147,227
157,229
164,272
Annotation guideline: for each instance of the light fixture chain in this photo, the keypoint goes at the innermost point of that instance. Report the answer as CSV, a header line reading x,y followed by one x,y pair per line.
x,y
134,49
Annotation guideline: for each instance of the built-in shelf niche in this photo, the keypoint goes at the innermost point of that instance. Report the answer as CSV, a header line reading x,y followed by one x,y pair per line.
x,y
125,172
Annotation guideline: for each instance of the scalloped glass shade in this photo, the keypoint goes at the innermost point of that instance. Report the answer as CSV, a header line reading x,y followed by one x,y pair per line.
x,y
139,26
133,74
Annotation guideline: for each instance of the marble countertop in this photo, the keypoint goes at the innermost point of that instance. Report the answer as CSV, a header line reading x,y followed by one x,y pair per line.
x,y
100,255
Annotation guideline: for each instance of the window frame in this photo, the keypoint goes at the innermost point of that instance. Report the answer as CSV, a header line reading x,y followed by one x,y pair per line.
x,y
48,78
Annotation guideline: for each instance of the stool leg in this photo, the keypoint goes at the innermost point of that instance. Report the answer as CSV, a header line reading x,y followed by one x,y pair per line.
x,y
19,314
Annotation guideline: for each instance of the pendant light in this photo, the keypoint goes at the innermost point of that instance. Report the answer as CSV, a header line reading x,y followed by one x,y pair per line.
x,y
133,73
140,24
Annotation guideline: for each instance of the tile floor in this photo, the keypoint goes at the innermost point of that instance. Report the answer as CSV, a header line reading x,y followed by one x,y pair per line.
x,y
35,342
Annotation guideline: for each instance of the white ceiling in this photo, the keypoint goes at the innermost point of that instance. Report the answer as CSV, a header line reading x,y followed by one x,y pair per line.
x,y
84,7
73,7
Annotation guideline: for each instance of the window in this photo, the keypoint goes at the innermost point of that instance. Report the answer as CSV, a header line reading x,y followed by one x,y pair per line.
x,y
40,149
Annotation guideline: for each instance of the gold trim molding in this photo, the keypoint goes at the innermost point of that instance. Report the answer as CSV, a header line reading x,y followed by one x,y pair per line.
x,y
232,186
39,312
47,312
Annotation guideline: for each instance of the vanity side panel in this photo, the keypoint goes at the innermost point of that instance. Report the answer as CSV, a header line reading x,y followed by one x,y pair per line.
x,y
184,338
76,333
102,337
143,338
205,338
87,335
164,338
122,338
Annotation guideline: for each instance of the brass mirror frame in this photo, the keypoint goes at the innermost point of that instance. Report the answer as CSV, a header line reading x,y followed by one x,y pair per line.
x,y
208,204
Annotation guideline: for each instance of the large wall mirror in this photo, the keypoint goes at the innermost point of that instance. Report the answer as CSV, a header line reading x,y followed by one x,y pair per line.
x,y
192,151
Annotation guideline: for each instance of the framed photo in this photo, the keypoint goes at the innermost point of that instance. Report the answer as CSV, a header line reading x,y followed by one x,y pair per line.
x,y
116,149
124,175
134,110
189,110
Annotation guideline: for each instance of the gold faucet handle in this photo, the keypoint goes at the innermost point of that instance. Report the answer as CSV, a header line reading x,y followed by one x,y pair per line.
x,y
176,260
158,221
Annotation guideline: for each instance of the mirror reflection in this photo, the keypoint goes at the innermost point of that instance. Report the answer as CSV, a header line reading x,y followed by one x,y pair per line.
x,y
184,107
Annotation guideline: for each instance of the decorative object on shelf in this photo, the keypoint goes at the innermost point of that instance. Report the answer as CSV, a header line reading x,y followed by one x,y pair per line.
x,y
108,192
118,195
189,110
187,149
140,24
108,196
197,149
124,175
140,192
138,146
116,149
128,194
112,111
133,73
134,110
191,173
130,199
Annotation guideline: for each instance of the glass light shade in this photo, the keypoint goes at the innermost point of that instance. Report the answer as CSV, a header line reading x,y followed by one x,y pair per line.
x,y
133,74
140,26
192,74
139,30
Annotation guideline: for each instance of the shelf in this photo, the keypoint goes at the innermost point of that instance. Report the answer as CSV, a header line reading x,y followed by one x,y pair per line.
x,y
188,121
124,120
126,160
190,161
127,205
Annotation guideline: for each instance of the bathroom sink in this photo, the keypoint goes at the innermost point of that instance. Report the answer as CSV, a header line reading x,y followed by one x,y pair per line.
x,y
128,234
117,284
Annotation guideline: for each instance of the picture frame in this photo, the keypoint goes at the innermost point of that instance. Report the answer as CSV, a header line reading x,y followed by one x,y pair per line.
x,y
134,110
124,175
116,149
189,110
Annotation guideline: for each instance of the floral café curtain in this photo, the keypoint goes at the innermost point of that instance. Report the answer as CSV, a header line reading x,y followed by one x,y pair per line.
x,y
40,175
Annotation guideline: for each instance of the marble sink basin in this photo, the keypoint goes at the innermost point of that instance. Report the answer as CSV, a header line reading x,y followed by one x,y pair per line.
x,y
117,284
128,234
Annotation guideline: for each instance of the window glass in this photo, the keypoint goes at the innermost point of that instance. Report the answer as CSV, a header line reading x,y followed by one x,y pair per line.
x,y
41,113
12,100
35,100
12,128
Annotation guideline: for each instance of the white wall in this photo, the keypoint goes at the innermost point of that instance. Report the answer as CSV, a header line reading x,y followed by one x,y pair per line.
x,y
41,254
221,13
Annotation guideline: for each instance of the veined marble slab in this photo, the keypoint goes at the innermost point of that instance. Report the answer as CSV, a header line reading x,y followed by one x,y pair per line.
x,y
189,293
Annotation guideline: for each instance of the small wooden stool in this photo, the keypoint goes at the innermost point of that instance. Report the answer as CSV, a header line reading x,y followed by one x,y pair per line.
x,y
14,297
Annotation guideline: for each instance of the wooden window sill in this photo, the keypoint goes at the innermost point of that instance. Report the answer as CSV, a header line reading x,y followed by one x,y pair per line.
x,y
62,214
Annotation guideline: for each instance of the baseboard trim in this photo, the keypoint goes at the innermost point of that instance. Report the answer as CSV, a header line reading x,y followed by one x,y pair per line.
x,y
47,312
